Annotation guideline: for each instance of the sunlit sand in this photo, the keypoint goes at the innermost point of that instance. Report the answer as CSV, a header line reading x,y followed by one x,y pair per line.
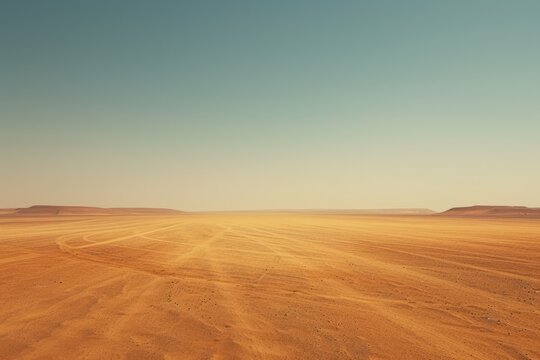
x,y
269,286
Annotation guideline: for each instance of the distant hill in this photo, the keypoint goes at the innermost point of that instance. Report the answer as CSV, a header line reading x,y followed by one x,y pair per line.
x,y
488,210
86,210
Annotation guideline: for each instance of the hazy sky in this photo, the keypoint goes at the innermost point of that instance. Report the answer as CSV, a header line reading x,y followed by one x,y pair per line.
x,y
270,104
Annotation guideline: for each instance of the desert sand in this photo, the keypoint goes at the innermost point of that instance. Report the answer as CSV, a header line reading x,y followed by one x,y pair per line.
x,y
44,210
269,286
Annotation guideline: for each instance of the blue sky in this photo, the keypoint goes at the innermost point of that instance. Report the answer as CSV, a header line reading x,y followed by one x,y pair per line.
x,y
212,105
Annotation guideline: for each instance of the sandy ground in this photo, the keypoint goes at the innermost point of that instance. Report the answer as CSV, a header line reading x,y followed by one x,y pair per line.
x,y
278,286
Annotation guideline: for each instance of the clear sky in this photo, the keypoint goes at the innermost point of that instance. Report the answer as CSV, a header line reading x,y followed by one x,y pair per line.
x,y
213,105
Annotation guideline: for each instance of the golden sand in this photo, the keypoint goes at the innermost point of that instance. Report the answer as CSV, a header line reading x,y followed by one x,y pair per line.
x,y
269,286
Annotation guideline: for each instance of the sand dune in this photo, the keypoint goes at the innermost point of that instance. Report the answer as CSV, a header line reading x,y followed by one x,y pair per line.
x,y
269,286
87,210
487,210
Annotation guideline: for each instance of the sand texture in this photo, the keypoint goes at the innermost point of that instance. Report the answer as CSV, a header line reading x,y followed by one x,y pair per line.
x,y
50,210
269,286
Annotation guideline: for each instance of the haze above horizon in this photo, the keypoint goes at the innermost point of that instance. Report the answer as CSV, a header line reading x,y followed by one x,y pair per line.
x,y
270,105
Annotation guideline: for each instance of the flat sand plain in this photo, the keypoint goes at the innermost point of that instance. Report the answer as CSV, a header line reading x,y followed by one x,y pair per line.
x,y
269,286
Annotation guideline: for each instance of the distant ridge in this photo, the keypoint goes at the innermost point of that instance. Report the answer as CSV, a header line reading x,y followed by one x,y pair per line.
x,y
49,210
489,210
476,210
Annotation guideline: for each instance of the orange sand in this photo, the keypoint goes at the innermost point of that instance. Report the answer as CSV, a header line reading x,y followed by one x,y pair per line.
x,y
274,286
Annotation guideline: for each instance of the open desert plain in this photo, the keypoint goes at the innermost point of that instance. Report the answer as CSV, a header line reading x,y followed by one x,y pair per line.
x,y
269,286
